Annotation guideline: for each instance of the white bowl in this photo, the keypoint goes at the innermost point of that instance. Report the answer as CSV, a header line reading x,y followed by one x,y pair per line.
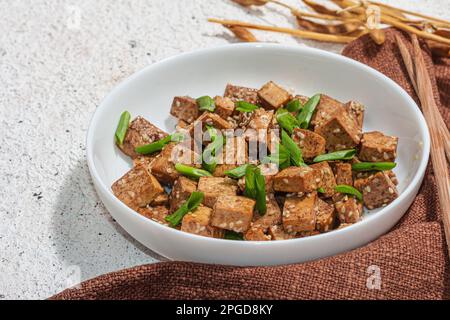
x,y
307,71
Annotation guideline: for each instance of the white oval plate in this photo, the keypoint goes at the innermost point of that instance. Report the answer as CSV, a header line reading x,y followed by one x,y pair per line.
x,y
307,71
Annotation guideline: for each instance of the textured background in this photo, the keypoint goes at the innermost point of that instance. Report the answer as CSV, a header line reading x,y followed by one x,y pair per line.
x,y
58,59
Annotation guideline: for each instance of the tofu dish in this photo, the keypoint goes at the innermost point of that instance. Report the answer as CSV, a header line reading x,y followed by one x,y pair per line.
x,y
257,165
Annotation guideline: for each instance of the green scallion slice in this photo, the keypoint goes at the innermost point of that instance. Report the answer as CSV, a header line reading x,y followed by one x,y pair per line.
x,y
206,103
373,166
190,205
191,172
231,235
122,127
349,190
304,117
238,172
338,155
243,106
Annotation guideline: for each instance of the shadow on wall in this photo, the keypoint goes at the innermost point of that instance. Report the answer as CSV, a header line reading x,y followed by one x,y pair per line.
x,y
85,234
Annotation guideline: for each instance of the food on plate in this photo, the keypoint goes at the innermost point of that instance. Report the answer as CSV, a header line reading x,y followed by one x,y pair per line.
x,y
257,165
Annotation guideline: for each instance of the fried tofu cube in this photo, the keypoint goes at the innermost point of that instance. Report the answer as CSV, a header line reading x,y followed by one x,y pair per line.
x,y
137,188
181,191
161,200
377,147
214,187
325,110
208,118
325,215
237,93
256,234
299,214
326,178
343,173
272,216
234,154
278,233
198,222
144,160
296,179
163,168
185,108
260,119
356,111
224,106
309,142
340,132
379,191
140,133
233,213
157,214
348,209
273,96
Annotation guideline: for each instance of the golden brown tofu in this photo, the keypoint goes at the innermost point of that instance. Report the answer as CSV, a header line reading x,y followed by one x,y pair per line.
x,y
224,107
234,154
277,233
207,118
356,111
260,119
340,132
299,214
233,213
296,179
379,191
325,215
309,142
273,96
163,168
213,187
185,108
348,209
181,191
140,133
272,216
160,200
157,213
326,178
137,188
326,109
198,222
237,93
343,173
377,147
256,234
144,160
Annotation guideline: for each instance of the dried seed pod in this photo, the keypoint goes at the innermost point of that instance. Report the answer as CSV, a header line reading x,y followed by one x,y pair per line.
x,y
341,28
324,10
248,3
242,33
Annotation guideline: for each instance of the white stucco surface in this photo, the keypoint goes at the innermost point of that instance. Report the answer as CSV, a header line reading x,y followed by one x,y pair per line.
x,y
58,59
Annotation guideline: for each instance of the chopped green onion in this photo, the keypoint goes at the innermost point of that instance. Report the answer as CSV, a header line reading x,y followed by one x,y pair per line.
x,y
160,144
338,155
287,121
280,157
260,183
304,117
231,235
243,106
294,105
217,142
154,147
238,172
349,190
206,103
321,190
191,172
294,151
250,184
373,166
122,127
190,205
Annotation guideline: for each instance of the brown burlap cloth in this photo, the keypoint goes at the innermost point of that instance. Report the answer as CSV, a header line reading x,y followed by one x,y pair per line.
x,y
412,257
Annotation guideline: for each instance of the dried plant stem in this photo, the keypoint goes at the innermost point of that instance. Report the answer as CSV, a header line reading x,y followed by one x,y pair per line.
x,y
412,73
408,28
432,115
297,33
412,13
